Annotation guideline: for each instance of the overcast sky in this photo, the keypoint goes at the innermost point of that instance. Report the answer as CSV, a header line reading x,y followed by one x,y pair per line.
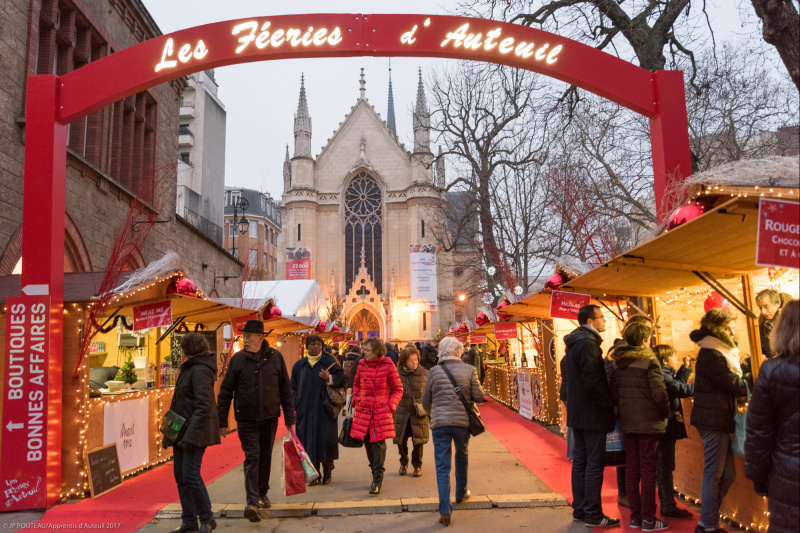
x,y
261,98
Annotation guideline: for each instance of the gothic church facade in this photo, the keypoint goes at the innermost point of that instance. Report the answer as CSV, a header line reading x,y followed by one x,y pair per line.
x,y
358,207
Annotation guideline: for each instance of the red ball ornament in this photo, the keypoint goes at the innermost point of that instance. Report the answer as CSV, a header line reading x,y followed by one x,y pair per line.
x,y
463,328
335,328
274,312
182,286
321,327
553,282
482,319
502,316
686,213
716,300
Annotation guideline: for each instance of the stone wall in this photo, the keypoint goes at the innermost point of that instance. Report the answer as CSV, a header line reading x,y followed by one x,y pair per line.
x,y
96,202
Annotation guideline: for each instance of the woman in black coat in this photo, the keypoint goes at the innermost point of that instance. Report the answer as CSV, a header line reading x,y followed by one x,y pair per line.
x,y
410,419
772,447
317,431
194,400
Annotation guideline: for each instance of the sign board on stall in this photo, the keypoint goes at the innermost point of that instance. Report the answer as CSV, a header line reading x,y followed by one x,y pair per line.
x,y
352,343
152,315
298,263
525,394
25,422
103,467
778,233
505,331
237,324
125,424
462,338
177,336
339,337
477,338
567,304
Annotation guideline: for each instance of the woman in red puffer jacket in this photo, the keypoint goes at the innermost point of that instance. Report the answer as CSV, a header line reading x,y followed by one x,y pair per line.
x,y
376,392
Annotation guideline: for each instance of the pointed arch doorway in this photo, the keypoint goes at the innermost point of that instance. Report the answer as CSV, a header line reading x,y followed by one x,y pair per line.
x,y
365,324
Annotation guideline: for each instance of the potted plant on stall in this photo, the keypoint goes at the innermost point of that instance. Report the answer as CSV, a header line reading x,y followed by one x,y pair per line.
x,y
126,372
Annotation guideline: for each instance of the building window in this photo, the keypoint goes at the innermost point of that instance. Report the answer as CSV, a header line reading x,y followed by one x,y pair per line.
x,y
423,229
231,229
254,230
234,252
298,232
275,265
252,258
424,321
185,157
363,229
263,203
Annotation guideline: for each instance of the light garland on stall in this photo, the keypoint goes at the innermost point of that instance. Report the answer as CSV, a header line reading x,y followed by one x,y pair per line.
x,y
731,519
744,191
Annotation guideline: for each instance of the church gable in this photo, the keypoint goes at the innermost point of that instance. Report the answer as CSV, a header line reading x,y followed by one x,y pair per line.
x,y
383,152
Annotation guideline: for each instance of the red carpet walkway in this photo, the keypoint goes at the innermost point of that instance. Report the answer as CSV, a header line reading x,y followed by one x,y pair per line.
x,y
136,502
545,454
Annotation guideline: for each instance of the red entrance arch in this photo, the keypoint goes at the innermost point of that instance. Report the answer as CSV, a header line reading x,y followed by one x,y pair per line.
x,y
53,102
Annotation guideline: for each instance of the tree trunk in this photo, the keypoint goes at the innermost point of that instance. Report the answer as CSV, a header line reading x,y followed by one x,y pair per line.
x,y
782,30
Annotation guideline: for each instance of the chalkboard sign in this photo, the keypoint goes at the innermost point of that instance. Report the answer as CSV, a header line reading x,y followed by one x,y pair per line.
x,y
103,465
177,337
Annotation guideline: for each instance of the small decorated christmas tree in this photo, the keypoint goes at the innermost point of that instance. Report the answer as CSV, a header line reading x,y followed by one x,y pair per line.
x,y
126,372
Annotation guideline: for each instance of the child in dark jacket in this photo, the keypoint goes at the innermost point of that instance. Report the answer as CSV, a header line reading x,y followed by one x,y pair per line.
x,y
676,378
637,385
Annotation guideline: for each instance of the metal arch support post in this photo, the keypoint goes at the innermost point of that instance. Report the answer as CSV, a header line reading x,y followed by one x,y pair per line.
x,y
709,280
170,329
669,137
43,208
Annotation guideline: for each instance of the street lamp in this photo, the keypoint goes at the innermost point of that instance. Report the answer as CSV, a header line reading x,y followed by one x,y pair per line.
x,y
242,225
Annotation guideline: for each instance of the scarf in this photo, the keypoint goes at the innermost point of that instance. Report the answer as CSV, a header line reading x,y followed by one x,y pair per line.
x,y
313,360
731,354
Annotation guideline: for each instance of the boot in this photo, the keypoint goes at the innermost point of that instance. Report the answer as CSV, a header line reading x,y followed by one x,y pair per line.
x,y
375,489
186,528
444,519
207,527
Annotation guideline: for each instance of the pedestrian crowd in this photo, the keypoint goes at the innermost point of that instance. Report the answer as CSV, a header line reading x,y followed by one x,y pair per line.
x,y
633,396
630,400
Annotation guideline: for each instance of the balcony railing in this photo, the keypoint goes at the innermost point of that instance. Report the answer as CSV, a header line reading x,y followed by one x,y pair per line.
x,y
208,228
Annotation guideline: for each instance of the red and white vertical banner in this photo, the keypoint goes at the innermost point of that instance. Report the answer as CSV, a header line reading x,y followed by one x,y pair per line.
x,y
298,263
24,444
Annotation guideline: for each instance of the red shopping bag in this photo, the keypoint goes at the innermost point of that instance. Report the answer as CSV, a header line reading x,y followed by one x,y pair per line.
x,y
294,478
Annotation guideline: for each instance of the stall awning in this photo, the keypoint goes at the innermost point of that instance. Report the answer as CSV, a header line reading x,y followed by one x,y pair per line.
x,y
195,310
721,242
293,297
287,324
534,306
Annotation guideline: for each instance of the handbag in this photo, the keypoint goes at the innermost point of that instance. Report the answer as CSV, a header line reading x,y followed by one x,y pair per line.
x,y
172,427
333,399
476,426
615,447
418,409
740,432
344,435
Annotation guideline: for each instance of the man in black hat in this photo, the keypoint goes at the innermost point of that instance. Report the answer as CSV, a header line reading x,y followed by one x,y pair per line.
x,y
258,383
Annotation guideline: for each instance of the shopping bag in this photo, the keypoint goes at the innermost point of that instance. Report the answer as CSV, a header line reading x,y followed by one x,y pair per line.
x,y
740,432
308,467
294,478
615,447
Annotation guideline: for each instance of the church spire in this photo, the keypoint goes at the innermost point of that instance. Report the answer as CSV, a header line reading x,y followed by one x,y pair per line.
x,y
302,124
287,171
390,114
363,83
422,121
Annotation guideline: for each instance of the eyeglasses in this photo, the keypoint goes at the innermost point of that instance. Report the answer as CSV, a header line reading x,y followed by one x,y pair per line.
x,y
601,317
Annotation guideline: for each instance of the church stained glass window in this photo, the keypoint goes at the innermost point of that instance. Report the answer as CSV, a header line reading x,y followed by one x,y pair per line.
x,y
363,229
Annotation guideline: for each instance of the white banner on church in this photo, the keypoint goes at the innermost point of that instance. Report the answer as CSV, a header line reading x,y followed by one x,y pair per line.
x,y
125,422
423,275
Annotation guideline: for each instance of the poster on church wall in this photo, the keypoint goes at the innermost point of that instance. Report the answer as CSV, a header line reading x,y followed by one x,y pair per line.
x,y
125,422
298,263
423,275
